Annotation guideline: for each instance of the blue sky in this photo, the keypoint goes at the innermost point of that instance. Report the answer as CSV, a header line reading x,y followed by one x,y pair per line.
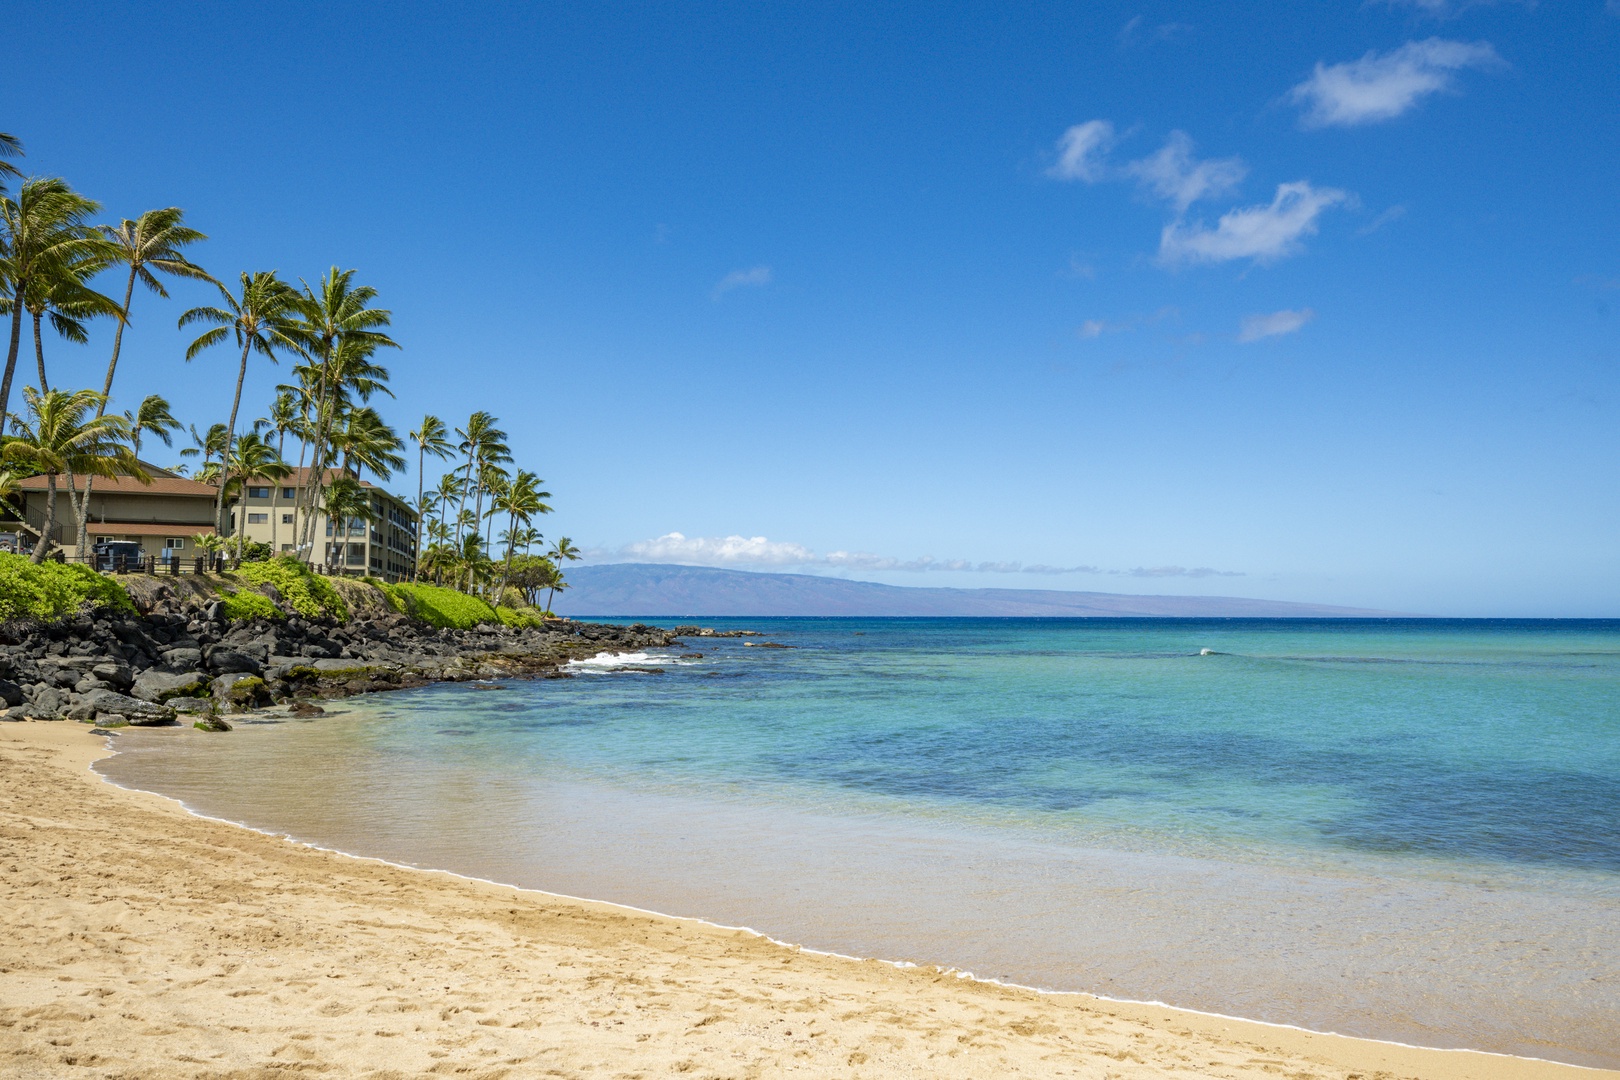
x,y
1311,301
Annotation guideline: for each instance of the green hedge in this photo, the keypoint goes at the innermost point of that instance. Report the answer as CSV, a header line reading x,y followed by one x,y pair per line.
x,y
247,604
305,592
440,606
53,591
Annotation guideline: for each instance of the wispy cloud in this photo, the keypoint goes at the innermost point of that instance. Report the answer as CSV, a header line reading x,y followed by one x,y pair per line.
x,y
1382,86
737,279
1175,175
1263,233
1393,214
1172,173
1276,324
1181,571
1096,328
1082,150
758,552
1180,179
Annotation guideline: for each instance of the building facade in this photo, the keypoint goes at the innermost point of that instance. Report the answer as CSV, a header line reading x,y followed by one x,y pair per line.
x,y
383,547
165,517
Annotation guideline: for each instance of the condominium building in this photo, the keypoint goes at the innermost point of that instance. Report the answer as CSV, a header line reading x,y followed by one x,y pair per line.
x,y
383,547
165,516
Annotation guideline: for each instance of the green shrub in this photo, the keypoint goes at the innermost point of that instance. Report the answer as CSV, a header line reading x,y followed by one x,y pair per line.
x,y
522,618
247,604
306,593
53,591
440,606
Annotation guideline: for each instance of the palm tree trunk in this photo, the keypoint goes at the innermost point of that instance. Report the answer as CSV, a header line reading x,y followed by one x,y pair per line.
x,y
118,342
39,354
50,518
275,495
230,437
11,355
421,463
81,511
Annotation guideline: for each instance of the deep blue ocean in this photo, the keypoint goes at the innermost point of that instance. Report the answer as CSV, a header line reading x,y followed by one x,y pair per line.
x,y
1294,820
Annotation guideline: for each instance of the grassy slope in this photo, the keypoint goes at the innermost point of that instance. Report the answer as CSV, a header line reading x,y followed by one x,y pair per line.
x,y
52,591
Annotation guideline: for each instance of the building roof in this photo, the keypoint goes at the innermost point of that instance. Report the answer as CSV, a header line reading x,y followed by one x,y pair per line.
x,y
146,528
128,485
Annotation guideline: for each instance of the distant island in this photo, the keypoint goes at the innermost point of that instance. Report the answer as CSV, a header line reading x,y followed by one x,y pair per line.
x,y
662,590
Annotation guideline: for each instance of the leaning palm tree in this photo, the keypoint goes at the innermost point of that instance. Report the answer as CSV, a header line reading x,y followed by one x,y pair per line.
x,y
61,435
521,500
262,321
151,242
430,438
151,417
43,229
60,293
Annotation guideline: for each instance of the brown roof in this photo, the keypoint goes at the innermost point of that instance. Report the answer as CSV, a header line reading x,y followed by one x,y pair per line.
x,y
143,528
300,477
128,485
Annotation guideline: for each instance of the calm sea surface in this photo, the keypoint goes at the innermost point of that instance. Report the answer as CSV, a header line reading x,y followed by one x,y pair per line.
x,y
1401,829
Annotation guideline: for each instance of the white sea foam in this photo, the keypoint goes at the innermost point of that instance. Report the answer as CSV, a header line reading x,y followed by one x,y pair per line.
x,y
609,661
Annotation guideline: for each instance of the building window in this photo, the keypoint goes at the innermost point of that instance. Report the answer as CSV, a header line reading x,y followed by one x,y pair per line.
x,y
289,493
104,539
357,554
286,547
258,493
258,519
286,519
174,543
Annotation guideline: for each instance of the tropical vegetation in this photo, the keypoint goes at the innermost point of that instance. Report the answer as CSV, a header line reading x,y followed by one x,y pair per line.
x,y
479,553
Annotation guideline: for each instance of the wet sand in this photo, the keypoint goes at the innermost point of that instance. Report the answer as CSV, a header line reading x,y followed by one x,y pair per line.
x,y
142,941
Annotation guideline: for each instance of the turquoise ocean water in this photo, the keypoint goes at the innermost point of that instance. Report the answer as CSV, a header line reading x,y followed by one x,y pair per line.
x,y
1406,829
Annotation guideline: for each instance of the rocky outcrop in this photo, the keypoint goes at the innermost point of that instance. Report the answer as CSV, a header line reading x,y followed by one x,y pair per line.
x,y
120,668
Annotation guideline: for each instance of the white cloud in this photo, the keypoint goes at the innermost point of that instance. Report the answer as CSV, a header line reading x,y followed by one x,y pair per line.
x,y
758,275
760,552
1383,86
1080,152
1173,174
1276,324
1262,233
719,551
1096,328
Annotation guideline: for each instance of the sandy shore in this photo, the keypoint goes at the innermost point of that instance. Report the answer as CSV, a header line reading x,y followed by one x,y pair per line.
x,y
140,941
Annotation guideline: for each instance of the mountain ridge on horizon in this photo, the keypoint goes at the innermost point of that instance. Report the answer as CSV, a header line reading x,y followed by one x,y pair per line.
x,y
678,590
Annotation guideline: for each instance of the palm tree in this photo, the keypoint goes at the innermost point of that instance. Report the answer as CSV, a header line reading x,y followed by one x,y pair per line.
x,y
41,231
484,444
285,419
521,500
430,438
345,501
9,147
59,291
563,551
152,416
61,435
342,331
262,321
365,441
150,242
253,459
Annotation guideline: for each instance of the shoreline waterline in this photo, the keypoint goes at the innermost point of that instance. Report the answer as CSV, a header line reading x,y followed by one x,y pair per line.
x,y
965,976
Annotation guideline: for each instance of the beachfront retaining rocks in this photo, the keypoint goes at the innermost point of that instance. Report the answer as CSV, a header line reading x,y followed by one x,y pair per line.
x,y
106,704
184,656
159,686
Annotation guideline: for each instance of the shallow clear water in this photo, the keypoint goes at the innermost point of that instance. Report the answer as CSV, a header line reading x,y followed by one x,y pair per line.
x,y
1405,829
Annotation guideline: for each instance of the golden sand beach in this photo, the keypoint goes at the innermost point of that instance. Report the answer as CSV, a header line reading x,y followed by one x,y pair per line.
x,y
141,941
